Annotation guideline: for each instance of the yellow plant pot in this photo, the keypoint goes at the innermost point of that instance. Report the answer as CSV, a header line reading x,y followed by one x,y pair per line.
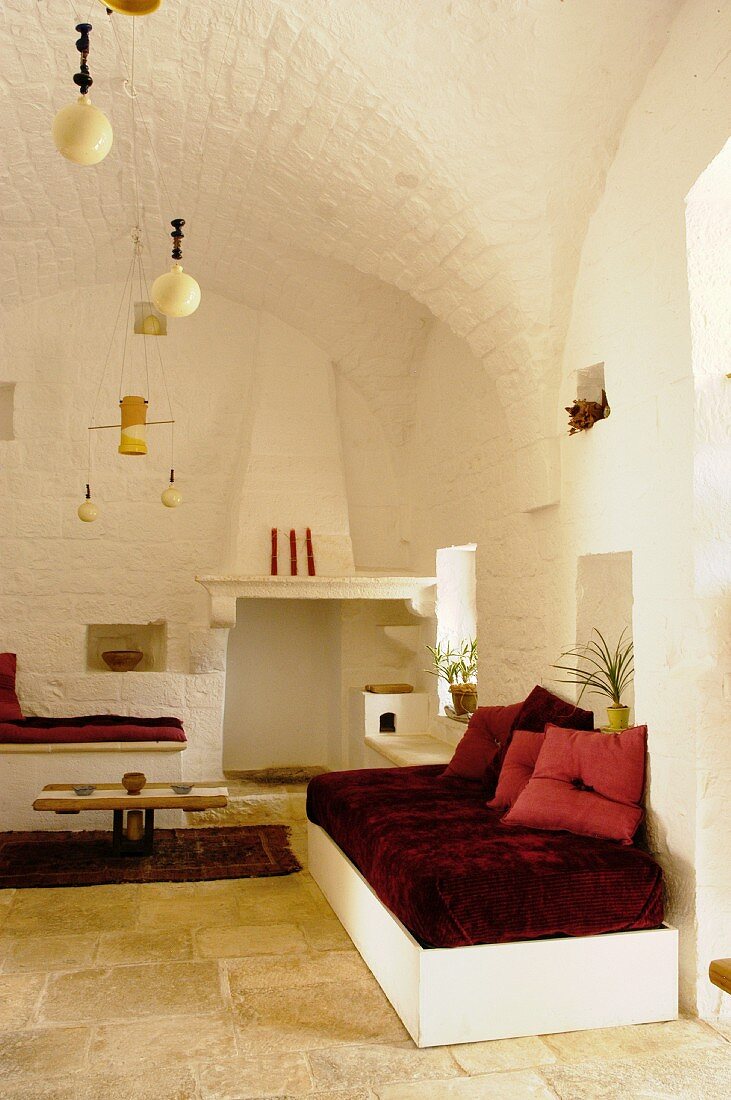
x,y
618,717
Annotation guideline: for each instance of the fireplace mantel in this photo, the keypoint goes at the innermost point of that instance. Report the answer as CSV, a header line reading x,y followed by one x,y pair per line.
x,y
224,591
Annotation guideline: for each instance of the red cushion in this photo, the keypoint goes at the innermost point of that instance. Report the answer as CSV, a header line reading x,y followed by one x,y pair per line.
x,y
488,731
9,706
90,728
542,707
517,769
586,783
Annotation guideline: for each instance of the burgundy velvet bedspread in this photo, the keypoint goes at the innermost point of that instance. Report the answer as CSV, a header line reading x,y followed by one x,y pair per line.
x,y
454,875
92,727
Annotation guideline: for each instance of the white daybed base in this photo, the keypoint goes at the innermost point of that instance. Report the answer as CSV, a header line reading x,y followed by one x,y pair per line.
x,y
500,990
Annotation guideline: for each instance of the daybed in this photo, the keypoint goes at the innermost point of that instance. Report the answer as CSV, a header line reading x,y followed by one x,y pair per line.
x,y
477,929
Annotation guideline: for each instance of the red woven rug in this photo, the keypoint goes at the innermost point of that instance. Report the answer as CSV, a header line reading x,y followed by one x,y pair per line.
x,y
180,855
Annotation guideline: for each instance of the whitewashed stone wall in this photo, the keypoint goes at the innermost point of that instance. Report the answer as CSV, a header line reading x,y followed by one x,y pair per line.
x,y
628,485
137,563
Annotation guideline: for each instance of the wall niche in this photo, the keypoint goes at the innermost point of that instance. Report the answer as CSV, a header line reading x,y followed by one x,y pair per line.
x,y
604,600
150,638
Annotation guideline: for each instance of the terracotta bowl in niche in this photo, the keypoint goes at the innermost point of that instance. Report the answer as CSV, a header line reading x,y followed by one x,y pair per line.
x,y
122,660
133,782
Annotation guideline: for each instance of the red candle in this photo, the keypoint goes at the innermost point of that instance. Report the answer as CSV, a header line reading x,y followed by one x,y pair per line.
x,y
293,553
275,566
310,555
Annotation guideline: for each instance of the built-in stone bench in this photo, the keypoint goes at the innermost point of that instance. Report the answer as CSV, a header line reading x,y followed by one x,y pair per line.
x,y
406,750
34,765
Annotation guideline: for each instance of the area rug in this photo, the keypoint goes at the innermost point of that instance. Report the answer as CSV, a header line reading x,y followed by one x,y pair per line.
x,y
180,855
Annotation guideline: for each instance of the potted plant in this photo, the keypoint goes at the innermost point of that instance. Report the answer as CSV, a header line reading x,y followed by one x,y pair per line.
x,y
602,671
458,666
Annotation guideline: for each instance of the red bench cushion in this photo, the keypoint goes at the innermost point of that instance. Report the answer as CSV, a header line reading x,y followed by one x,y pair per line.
x,y
9,705
518,767
90,728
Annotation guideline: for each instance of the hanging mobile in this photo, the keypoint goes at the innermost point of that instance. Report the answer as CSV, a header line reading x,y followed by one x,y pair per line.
x,y
175,293
81,132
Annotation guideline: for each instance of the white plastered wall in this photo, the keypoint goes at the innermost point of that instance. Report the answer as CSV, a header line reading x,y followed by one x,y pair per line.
x,y
709,276
628,485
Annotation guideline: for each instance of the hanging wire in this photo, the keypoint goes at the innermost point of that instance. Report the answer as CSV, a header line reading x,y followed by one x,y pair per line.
x,y
129,81
111,340
164,383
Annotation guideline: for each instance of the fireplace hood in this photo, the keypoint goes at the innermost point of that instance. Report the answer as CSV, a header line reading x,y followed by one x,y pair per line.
x,y
225,590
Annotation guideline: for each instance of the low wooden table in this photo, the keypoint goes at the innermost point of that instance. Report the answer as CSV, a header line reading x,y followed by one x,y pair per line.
x,y
61,798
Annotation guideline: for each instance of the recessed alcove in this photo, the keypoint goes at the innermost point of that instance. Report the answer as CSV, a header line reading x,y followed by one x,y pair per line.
x,y
604,602
7,403
151,638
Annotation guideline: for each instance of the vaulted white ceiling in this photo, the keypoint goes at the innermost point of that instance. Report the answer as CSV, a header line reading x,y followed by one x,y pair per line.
x,y
451,148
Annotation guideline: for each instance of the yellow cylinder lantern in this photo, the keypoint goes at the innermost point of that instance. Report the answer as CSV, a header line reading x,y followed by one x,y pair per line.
x,y
134,420
132,7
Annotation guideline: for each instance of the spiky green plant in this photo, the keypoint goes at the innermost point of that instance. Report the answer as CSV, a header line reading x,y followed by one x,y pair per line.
x,y
456,666
599,670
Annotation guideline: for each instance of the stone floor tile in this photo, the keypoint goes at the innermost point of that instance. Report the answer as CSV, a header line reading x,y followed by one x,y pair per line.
x,y
371,1066
631,1041
524,1085
281,908
502,1054
127,948
298,843
687,1074
42,1051
327,934
31,1088
187,911
71,910
250,939
243,1078
170,1039
131,992
19,996
290,972
165,1083
24,953
312,1017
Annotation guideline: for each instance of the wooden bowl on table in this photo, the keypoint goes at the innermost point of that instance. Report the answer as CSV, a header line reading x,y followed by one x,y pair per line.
x,y
133,782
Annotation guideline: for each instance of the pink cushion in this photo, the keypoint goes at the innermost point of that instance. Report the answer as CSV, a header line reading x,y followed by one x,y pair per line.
x,y
518,767
589,783
9,706
488,731
542,707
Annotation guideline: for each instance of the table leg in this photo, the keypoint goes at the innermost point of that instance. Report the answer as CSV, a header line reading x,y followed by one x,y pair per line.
x,y
121,846
149,831
118,834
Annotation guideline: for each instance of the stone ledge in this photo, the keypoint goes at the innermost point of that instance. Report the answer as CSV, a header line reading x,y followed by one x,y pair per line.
x,y
410,750
97,746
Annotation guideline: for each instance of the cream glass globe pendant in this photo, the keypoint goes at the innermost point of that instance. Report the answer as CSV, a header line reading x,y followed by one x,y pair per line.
x,y
81,132
176,294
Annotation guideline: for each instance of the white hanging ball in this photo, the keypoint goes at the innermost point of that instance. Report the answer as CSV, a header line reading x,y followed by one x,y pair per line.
x,y
171,498
82,133
175,293
87,512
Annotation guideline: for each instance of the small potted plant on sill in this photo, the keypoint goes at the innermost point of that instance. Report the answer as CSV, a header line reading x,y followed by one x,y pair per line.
x,y
458,666
600,670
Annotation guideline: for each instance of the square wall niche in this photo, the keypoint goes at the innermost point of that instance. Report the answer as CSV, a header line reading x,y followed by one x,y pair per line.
x,y
151,638
604,601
